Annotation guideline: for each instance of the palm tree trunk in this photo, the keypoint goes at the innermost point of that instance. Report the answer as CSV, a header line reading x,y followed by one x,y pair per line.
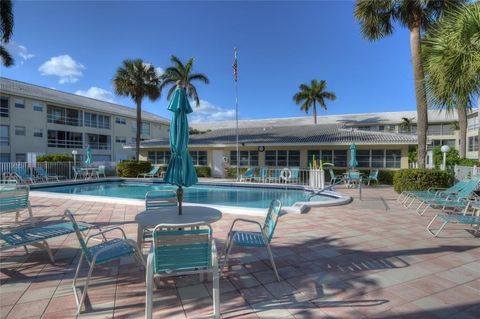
x,y
314,112
462,123
420,95
478,115
139,128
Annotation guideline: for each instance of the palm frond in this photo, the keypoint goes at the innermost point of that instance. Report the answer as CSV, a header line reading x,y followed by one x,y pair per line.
x,y
7,58
6,20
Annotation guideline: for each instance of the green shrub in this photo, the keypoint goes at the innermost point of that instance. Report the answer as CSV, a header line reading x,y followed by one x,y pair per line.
x,y
418,179
55,158
203,171
468,162
132,168
232,171
452,157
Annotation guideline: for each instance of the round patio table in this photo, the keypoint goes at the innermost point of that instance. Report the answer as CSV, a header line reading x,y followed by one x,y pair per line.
x,y
169,215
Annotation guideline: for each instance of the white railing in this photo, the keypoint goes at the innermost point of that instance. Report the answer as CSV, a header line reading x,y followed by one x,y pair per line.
x,y
61,169
286,176
463,172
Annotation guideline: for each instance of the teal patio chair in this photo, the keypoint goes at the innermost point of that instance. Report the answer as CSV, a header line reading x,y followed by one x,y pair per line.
x,y
179,251
156,200
153,172
464,219
294,175
43,174
262,238
22,176
15,199
372,176
77,171
262,175
430,193
353,178
101,171
274,175
248,175
334,179
106,251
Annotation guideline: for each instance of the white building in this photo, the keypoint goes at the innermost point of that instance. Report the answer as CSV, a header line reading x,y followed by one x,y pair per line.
x,y
45,121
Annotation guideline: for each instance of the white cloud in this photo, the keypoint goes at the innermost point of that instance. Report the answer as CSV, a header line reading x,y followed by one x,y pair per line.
x,y
97,93
67,69
159,70
20,50
207,112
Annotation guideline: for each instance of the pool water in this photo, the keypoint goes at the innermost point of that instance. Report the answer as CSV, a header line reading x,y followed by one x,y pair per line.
x,y
254,197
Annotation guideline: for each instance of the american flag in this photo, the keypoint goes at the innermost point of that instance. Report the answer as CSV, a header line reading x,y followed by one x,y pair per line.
x,y
235,67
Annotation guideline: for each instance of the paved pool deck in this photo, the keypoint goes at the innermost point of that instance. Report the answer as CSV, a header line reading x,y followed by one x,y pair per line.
x,y
370,259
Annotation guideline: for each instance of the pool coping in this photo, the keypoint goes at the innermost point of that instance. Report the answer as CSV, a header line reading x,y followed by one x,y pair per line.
x,y
337,199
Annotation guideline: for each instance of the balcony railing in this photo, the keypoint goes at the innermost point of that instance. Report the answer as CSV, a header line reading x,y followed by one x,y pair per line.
x,y
64,120
64,143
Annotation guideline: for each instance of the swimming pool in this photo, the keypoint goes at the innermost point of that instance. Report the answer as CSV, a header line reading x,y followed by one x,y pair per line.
x,y
238,196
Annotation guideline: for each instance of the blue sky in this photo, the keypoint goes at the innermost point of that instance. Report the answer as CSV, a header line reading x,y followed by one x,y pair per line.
x,y
76,47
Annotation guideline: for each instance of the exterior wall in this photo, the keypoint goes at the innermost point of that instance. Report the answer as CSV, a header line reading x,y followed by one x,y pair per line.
x,y
34,120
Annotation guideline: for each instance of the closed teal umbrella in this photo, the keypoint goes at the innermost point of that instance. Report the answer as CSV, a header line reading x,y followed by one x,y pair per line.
x,y
180,171
353,156
88,155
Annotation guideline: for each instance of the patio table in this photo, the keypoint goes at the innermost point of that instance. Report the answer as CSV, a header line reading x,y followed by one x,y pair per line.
x,y
90,171
346,178
169,215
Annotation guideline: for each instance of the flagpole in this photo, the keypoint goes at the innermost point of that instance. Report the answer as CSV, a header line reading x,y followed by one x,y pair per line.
x,y
236,112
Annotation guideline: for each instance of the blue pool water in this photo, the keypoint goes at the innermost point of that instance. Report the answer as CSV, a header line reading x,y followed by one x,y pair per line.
x,y
254,197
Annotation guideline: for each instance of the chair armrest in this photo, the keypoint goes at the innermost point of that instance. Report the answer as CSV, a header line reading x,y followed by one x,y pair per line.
x,y
245,221
103,232
113,246
214,255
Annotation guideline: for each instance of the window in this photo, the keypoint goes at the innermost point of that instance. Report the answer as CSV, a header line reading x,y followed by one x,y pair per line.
x,y
62,139
37,106
20,157
473,143
64,116
435,129
20,103
473,123
327,156
4,135
98,141
101,158
4,107
282,158
448,129
363,158
159,157
97,120
38,132
20,130
4,157
247,158
392,158
120,120
377,158
199,158
340,158
337,157
145,128
121,139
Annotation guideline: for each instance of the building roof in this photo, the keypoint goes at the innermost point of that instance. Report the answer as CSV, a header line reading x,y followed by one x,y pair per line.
x,y
22,89
289,135
384,118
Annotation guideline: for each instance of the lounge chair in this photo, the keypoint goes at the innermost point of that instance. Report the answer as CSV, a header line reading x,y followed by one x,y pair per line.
x,y
153,172
108,250
178,251
275,175
42,174
334,179
293,176
156,200
262,238
15,198
373,176
262,176
248,175
22,176
430,193
463,218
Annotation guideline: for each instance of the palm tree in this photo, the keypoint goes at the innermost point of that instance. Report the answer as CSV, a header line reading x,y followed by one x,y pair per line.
x,y
308,97
377,21
137,80
406,124
6,30
452,64
181,74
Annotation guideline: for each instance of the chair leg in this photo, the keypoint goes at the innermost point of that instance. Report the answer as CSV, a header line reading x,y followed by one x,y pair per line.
x,y
75,277
85,289
49,251
216,294
149,288
439,230
228,249
272,261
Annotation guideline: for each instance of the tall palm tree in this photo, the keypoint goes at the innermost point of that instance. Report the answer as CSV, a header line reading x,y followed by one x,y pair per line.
x,y
137,80
377,21
181,74
308,97
452,63
6,30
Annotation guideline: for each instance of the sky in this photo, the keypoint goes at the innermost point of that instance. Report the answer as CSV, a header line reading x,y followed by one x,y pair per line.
x,y
77,46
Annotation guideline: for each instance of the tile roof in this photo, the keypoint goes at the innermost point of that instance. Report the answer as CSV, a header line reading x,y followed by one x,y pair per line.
x,y
291,135
22,89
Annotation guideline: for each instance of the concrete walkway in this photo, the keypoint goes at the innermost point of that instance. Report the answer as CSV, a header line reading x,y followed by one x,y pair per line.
x,y
369,259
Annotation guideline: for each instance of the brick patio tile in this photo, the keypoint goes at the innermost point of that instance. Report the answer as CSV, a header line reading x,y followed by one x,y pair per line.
x,y
4,310
64,303
199,308
271,310
436,306
10,298
233,305
193,292
256,294
475,284
244,281
280,289
265,276
289,272
431,284
37,294
225,286
28,309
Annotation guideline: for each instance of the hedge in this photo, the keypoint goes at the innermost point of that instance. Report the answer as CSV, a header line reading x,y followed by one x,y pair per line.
x,y
385,177
132,168
418,179
203,171
232,171
55,158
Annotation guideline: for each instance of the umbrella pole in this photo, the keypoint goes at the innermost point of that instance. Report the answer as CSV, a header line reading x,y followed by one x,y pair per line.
x,y
180,199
